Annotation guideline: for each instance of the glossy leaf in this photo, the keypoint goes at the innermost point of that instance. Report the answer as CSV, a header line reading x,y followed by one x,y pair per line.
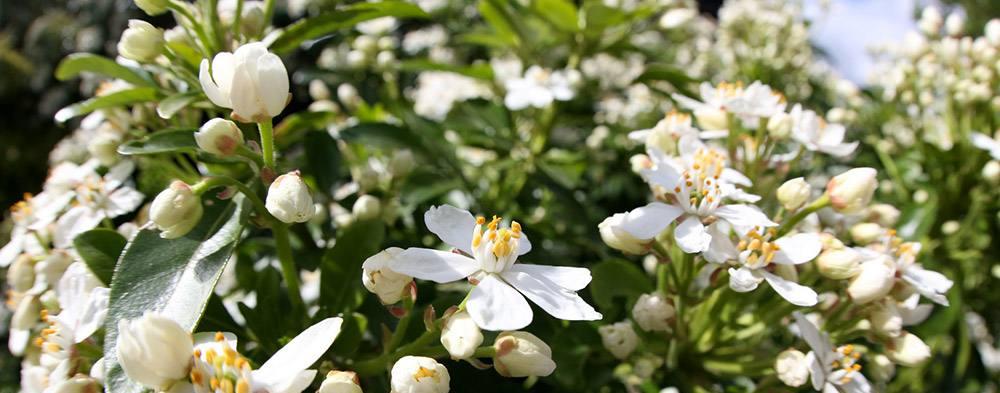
x,y
174,103
478,71
608,284
78,63
120,98
340,281
323,158
167,141
330,22
560,13
99,249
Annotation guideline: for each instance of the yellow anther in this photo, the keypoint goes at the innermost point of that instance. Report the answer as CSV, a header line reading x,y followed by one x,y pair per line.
x,y
855,367
847,349
196,353
677,190
480,220
515,226
220,337
754,244
242,386
742,245
752,259
425,373
48,332
197,378
214,383
39,342
226,386
231,356
51,347
210,356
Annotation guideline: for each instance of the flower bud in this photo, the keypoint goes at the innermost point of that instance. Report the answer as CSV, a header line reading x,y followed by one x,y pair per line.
x,y
792,368
104,147
385,60
794,193
852,190
152,7
288,199
880,367
77,384
388,285
652,312
417,374
219,136
619,338
676,17
253,18
992,32
141,41
954,25
866,232
779,126
176,210
318,90
154,351
884,214
366,207
991,171
930,21
521,354
348,95
886,320
839,264
712,119
251,81
340,382
461,336
873,282
908,350
640,162
402,163
617,238
21,274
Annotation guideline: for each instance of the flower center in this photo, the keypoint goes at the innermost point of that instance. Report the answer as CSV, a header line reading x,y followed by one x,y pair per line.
x,y
495,248
223,371
426,373
700,184
757,250
848,362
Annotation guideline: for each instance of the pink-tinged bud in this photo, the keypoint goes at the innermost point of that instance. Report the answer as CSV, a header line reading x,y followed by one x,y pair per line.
x,y
220,137
522,354
176,210
288,199
851,191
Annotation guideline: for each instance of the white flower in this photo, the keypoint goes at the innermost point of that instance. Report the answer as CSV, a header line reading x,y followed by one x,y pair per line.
x,y
875,279
780,125
653,312
251,81
84,303
366,207
881,368
417,374
219,136
619,338
676,17
340,382
815,134
98,198
851,191
908,350
930,284
438,91
831,368
983,141
461,336
377,26
539,87
667,133
522,354
992,32
756,251
488,259
616,237
792,368
154,351
288,199
24,319
839,263
612,72
794,193
175,210
387,284
141,42
748,103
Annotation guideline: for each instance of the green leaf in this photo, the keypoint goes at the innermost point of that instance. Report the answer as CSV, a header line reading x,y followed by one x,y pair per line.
x,y
174,103
167,141
478,71
498,19
120,98
77,63
330,22
99,249
351,334
382,134
670,74
322,158
341,267
174,277
608,284
600,17
560,13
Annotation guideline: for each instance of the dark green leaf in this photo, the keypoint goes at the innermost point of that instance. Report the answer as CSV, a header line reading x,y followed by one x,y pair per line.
x,y
600,17
323,159
174,103
99,249
498,19
383,134
330,22
120,98
478,71
560,13
167,141
174,277
340,286
670,74
609,277
78,63
352,331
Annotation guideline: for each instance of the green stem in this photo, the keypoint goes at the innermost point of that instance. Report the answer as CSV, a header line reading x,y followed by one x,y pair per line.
x,y
207,44
401,327
214,22
379,364
819,203
251,155
288,269
268,14
485,352
237,20
267,142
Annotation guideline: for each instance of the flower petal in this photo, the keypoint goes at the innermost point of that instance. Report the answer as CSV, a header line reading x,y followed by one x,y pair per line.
x,y
212,89
434,265
721,249
648,221
272,79
495,305
552,298
300,353
797,249
743,279
799,295
691,235
819,342
816,370
571,278
929,283
744,216
452,225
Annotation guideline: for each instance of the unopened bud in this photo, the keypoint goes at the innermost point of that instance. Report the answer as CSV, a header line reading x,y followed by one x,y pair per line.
x,y
954,25
616,237
366,207
880,367
839,264
522,354
176,210
992,31
712,119
991,171
866,232
884,214
792,368
461,336
401,163
417,374
154,351
909,350
779,126
153,7
873,282
340,382
219,136
653,312
886,320
388,285
21,274
318,90
141,42
619,338
852,190
288,199
794,193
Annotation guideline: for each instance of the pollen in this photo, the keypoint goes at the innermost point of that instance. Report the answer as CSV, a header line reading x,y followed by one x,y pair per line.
x,y
242,386
425,373
480,220
220,337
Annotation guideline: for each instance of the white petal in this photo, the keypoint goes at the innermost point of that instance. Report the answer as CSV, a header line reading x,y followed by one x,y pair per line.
x,y
744,215
216,95
691,235
648,221
839,150
797,249
452,225
76,221
799,295
816,370
118,174
12,249
571,278
929,283
17,341
245,97
721,249
434,265
743,279
819,342
272,79
123,200
552,298
494,305
984,142
92,316
299,354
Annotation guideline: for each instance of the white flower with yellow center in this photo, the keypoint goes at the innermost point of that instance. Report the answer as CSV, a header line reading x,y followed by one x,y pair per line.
x,y
539,87
832,369
749,103
98,198
757,254
931,284
487,258
84,303
815,134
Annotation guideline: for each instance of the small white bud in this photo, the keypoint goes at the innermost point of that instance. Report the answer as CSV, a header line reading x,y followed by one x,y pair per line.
x,y
402,163
866,232
288,199
340,382
880,367
219,136
908,350
522,354
712,119
839,264
318,90
617,238
366,207
21,274
417,374
154,351
779,126
954,25
461,336
652,312
253,18
365,43
676,17
920,196
388,285
992,31
991,171
640,162
356,59
792,368
104,147
348,95
884,214
872,283
950,227
619,338
76,384
852,190
175,210
152,7
886,320
385,60
930,21
141,42
794,193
